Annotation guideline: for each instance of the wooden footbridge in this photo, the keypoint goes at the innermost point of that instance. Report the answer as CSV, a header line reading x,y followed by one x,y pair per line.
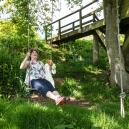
x,y
86,24
90,23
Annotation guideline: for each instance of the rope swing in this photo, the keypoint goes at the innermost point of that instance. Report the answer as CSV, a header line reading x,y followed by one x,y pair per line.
x,y
53,67
28,43
122,94
51,31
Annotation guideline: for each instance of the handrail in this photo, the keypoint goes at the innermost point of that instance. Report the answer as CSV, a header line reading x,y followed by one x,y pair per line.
x,y
73,12
85,16
81,23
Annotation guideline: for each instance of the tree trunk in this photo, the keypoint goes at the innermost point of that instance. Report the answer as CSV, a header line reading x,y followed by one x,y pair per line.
x,y
113,48
95,48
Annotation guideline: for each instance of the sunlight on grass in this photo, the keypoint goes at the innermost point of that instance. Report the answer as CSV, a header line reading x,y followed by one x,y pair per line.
x,y
71,81
96,105
77,94
26,115
101,119
39,106
93,69
100,96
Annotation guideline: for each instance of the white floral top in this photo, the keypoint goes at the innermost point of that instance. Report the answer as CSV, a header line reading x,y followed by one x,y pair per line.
x,y
35,71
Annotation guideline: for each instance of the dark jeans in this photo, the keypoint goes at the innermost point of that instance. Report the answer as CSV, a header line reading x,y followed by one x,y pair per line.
x,y
42,86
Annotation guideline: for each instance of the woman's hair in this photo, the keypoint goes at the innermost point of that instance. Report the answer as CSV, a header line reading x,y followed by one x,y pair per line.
x,y
33,49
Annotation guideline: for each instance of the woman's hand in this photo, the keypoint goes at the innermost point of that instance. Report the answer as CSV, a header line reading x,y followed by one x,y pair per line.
x,y
28,54
25,63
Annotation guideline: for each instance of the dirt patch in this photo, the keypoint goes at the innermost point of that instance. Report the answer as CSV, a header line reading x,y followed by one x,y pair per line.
x,y
37,97
58,81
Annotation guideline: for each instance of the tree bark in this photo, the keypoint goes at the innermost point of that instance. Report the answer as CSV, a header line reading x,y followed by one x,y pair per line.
x,y
113,48
95,48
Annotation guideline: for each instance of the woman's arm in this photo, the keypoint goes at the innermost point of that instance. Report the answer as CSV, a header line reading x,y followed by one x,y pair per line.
x,y
25,62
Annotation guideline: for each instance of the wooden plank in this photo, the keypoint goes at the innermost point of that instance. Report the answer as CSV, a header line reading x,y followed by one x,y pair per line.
x,y
70,23
85,29
70,34
93,26
100,34
124,8
71,28
124,14
89,27
65,31
126,42
91,13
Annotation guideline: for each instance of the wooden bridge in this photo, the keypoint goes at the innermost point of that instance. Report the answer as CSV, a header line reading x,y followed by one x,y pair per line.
x,y
89,24
86,23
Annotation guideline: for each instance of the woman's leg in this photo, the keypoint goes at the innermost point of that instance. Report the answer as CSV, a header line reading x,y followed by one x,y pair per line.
x,y
58,99
47,90
51,95
56,93
52,89
66,100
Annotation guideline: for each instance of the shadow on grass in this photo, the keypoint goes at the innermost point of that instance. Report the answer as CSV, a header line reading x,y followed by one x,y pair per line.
x,y
25,115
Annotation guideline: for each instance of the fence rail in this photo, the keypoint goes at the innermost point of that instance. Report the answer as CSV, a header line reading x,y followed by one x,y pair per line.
x,y
76,24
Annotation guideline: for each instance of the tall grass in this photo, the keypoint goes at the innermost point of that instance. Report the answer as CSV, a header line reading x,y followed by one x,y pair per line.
x,y
21,114
82,80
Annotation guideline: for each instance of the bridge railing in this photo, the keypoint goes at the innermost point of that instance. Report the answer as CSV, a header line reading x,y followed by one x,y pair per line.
x,y
80,21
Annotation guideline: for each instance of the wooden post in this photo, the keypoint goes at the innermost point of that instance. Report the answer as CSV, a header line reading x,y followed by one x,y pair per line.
x,y
73,26
45,33
125,48
93,17
104,12
59,30
80,19
95,48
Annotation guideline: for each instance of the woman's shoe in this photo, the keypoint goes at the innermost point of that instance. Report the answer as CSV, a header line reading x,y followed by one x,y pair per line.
x,y
60,100
66,101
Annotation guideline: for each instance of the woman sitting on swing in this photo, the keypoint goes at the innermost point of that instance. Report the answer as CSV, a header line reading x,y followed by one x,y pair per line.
x,y
36,77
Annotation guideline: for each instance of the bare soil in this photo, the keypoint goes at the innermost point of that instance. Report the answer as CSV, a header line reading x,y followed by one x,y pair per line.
x,y
37,97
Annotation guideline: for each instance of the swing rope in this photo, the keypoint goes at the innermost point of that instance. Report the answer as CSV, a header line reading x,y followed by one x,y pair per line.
x,y
28,37
53,67
28,43
51,31
30,88
122,94
59,1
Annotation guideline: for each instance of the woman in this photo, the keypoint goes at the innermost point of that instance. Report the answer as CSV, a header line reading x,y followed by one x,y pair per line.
x,y
36,77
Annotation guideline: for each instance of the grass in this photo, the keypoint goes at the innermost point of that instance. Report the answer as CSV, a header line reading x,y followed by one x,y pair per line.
x,y
21,114
82,80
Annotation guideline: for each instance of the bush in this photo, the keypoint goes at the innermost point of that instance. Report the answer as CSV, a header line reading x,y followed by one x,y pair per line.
x,y
10,75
